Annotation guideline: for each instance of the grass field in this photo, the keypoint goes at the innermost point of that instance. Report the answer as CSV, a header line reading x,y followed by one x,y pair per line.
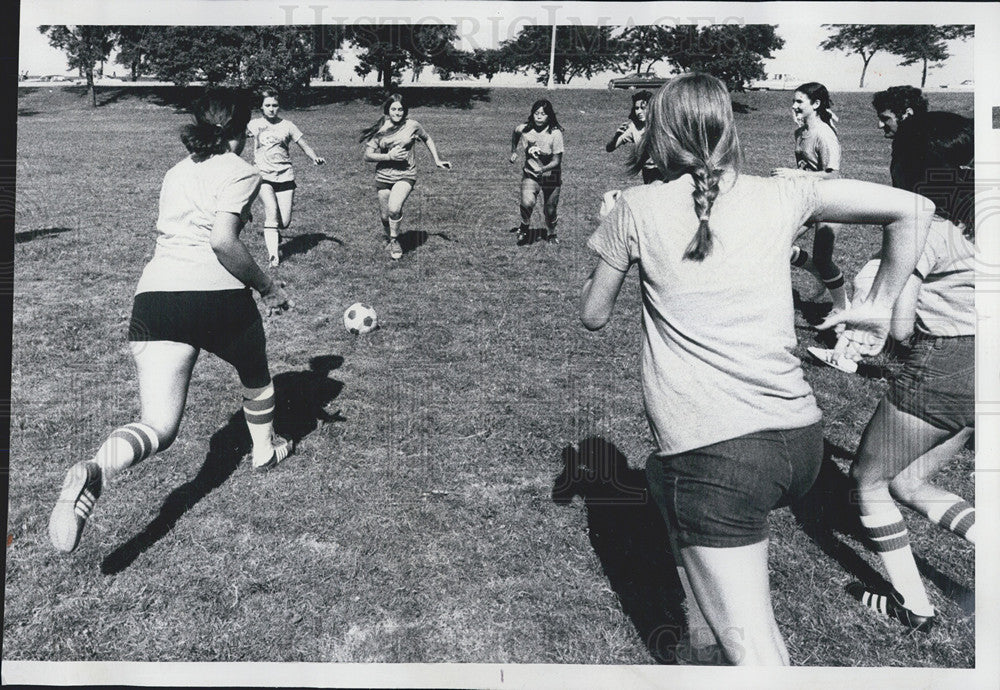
x,y
468,486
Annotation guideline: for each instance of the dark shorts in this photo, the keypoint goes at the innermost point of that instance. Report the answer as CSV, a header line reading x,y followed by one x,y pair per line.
x,y
720,495
279,186
938,382
223,322
549,180
381,184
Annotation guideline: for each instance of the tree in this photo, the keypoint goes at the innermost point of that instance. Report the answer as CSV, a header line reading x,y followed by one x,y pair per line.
x,y
85,46
580,51
925,43
734,53
644,46
484,62
863,39
132,43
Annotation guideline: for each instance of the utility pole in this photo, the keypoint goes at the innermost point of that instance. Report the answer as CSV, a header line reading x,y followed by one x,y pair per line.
x,y
552,59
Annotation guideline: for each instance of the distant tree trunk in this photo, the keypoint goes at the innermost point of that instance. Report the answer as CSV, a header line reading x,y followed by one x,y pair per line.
x,y
923,77
90,85
135,70
386,71
864,69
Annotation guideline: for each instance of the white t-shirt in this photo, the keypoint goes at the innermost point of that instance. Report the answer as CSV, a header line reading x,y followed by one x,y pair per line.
x,y
548,142
191,195
817,150
270,148
632,135
718,335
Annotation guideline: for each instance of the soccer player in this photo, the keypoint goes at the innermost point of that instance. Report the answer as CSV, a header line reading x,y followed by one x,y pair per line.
x,y
817,153
631,130
389,143
736,425
272,135
194,294
928,411
542,138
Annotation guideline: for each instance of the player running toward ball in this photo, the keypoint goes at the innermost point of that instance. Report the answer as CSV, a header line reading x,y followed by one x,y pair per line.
x,y
817,153
389,143
631,130
272,135
542,139
737,427
194,294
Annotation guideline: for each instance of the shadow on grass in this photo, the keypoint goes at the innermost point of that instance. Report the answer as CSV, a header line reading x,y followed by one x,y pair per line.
x,y
301,244
28,235
413,239
534,235
629,536
299,401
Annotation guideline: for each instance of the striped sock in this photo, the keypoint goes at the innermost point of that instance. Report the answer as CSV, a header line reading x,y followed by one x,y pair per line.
x,y
271,240
889,538
959,517
258,409
800,257
125,447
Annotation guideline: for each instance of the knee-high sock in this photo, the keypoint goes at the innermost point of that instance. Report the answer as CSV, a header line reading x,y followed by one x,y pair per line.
x,y
271,239
958,517
126,446
258,409
837,290
889,537
394,226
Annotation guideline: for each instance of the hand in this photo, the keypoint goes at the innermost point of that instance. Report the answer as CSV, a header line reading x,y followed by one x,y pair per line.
x,y
276,299
867,326
786,173
534,152
608,202
319,160
397,153
513,157
622,128
445,165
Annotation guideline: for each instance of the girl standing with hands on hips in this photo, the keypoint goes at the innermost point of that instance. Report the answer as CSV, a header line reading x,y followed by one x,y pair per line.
x,y
630,132
194,294
272,135
389,143
817,153
736,425
543,150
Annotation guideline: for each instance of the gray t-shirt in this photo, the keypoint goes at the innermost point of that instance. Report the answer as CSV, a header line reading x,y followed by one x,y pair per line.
x,y
946,305
718,335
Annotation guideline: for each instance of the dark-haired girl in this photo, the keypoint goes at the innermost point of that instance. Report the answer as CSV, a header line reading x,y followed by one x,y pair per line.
x,y
194,294
817,153
542,139
272,135
389,143
737,427
631,130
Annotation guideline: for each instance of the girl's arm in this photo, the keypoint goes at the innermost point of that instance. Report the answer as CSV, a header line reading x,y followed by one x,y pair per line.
x,y
515,139
434,152
600,291
307,149
904,314
615,141
552,164
234,256
373,155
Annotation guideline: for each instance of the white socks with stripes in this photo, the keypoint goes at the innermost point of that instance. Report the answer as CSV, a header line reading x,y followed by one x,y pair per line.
x,y
888,536
126,446
258,408
958,517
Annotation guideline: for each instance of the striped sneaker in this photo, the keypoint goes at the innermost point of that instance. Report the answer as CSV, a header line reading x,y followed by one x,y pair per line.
x,y
80,491
282,449
891,605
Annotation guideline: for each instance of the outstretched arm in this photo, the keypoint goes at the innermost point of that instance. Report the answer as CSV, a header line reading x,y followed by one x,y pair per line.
x,y
515,139
434,152
616,139
307,149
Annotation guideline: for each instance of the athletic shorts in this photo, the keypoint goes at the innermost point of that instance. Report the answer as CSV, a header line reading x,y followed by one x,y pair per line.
x,y
720,495
938,382
385,184
549,180
223,322
280,186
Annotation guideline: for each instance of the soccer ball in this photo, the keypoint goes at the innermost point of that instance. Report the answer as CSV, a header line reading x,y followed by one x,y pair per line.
x,y
360,319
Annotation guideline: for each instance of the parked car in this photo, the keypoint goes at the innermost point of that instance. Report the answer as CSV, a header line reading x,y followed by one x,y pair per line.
x,y
639,80
777,82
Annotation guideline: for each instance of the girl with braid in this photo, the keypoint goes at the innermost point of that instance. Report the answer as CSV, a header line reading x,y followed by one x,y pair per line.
x,y
817,153
194,294
736,425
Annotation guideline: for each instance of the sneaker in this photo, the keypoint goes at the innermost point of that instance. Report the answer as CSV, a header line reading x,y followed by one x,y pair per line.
x,y
552,238
80,491
522,237
282,449
394,248
273,261
891,605
830,358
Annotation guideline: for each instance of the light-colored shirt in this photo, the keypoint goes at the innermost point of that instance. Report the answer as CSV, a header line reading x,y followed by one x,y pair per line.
x,y
548,142
387,138
632,135
191,195
946,304
270,149
817,149
718,335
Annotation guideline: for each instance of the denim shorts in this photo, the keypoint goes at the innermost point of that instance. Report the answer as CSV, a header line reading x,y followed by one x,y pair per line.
x,y
938,382
720,495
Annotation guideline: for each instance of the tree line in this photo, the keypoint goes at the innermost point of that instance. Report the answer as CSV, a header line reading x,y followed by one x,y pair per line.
x,y
288,57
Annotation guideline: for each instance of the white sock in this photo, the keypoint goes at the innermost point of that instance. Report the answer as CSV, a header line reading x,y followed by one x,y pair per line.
x,y
126,446
394,226
958,517
258,409
890,539
271,240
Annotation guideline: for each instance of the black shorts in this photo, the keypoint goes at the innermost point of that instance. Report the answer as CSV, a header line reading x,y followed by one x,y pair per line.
x,y
223,322
279,186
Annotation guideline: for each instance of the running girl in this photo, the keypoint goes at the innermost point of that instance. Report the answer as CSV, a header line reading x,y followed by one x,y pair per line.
x,y
271,135
817,152
543,150
736,424
631,130
390,145
193,294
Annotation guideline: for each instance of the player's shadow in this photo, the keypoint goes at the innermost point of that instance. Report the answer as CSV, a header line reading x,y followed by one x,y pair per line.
x,y
29,235
301,244
299,401
413,239
533,235
629,536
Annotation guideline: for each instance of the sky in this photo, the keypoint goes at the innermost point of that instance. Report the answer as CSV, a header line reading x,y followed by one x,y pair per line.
x,y
801,57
